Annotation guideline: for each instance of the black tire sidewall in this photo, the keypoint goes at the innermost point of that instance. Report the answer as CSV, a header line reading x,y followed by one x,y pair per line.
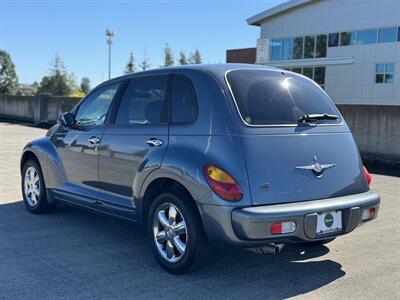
x,y
187,209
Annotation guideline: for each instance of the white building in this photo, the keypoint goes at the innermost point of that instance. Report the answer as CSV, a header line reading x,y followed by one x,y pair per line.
x,y
350,47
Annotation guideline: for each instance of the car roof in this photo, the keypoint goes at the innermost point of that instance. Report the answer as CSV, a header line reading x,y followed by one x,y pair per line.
x,y
217,70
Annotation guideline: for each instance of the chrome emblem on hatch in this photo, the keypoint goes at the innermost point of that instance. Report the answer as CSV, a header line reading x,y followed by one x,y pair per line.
x,y
316,168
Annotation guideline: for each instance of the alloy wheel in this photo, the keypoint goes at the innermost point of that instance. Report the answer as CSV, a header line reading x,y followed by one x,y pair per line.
x,y
32,186
170,232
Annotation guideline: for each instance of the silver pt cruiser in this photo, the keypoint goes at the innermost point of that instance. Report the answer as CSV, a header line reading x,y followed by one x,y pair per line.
x,y
210,155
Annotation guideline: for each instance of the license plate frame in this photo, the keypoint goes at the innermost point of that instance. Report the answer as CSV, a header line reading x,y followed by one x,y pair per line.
x,y
329,222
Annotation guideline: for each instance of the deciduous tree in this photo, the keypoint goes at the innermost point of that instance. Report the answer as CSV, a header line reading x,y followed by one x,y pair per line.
x,y
8,77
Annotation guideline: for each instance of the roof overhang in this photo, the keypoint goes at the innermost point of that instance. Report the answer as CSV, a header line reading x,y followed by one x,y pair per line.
x,y
257,19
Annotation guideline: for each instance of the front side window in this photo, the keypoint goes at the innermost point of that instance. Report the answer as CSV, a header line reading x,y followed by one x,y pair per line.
x,y
266,97
348,38
143,102
387,35
93,110
366,37
184,105
384,73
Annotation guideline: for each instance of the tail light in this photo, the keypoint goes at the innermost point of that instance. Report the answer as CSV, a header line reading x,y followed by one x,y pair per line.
x,y
367,175
222,183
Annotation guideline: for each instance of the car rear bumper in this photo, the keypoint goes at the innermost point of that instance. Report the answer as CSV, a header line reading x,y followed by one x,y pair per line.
x,y
251,226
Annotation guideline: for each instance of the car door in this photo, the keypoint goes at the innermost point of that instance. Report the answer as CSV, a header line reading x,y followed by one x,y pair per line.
x,y
77,146
134,143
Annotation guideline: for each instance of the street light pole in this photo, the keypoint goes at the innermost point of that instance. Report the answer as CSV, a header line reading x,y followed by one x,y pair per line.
x,y
109,34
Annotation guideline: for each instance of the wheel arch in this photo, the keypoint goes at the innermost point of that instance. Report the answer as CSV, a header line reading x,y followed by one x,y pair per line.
x,y
28,155
154,187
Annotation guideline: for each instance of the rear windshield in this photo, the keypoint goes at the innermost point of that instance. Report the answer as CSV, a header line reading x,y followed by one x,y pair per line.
x,y
266,97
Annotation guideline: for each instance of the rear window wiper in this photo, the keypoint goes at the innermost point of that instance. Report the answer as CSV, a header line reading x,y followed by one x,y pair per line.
x,y
312,117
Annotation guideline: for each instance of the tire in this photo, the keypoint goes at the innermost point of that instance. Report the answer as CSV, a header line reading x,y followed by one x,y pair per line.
x,y
320,242
34,189
168,249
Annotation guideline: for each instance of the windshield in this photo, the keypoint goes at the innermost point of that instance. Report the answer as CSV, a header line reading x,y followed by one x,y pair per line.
x,y
269,97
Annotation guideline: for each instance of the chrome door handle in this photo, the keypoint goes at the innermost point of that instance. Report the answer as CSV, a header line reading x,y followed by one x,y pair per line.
x,y
94,140
154,142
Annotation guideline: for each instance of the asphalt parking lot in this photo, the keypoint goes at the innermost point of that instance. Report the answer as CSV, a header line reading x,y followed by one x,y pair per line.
x,y
78,254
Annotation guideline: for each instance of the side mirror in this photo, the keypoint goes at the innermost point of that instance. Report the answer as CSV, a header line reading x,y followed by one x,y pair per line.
x,y
66,119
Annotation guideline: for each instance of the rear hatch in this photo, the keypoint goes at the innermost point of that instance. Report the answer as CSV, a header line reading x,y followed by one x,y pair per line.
x,y
295,143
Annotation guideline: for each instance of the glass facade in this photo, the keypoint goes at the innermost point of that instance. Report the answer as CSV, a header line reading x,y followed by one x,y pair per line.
x,y
348,38
298,47
333,39
276,49
315,46
287,49
320,48
387,35
384,73
367,37
309,44
315,73
398,34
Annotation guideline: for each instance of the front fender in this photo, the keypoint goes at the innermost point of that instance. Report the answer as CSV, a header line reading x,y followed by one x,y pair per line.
x,y
44,150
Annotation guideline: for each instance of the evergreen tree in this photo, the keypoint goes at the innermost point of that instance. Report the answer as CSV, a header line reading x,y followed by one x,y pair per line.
x,y
182,58
8,77
144,65
130,66
85,85
58,81
168,56
195,58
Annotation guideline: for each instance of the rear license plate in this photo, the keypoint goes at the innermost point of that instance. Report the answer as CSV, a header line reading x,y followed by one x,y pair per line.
x,y
329,222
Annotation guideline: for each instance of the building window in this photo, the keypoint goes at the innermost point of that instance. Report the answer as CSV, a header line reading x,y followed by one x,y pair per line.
x,y
320,48
308,72
366,37
387,35
287,49
296,70
315,73
333,40
398,34
319,76
298,47
348,38
309,43
384,73
276,49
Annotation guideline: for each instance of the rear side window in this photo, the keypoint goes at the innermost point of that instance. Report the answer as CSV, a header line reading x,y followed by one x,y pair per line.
x,y
265,97
184,105
143,102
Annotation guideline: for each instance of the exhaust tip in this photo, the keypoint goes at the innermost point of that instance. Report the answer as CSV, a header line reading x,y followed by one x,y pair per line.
x,y
273,249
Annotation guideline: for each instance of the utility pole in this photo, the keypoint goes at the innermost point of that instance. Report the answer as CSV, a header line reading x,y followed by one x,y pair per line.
x,y
110,34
